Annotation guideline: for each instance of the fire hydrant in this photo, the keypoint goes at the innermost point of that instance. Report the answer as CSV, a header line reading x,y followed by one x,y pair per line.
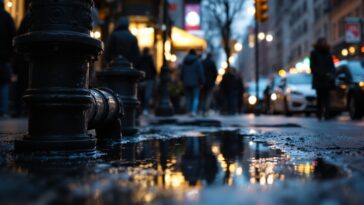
x,y
121,77
59,49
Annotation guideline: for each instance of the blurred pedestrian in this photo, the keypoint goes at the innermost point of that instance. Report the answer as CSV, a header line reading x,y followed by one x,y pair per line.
x,y
193,78
323,71
210,78
146,65
231,87
20,68
122,42
240,90
7,32
175,88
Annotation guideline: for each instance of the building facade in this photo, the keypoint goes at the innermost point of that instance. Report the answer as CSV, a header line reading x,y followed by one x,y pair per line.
x,y
340,12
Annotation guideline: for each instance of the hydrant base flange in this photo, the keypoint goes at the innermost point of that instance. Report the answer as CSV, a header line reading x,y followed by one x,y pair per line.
x,y
55,145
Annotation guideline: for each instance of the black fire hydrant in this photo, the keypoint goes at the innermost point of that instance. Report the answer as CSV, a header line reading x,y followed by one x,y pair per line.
x,y
121,77
59,49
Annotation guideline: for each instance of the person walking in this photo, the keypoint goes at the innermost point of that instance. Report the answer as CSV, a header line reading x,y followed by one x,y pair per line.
x,y
146,65
7,32
323,72
193,78
230,87
122,42
210,78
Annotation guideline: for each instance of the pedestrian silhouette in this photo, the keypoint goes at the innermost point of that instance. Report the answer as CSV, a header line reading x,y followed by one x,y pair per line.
x,y
323,71
231,88
146,64
7,32
210,76
122,42
193,78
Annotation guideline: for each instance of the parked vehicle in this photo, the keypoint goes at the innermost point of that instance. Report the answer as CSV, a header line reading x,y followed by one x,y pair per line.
x,y
294,94
250,97
349,91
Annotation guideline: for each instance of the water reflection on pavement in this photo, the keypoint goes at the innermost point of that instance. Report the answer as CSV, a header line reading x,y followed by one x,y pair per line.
x,y
158,170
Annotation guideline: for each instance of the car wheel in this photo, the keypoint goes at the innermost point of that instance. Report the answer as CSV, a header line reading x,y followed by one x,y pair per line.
x,y
353,108
287,112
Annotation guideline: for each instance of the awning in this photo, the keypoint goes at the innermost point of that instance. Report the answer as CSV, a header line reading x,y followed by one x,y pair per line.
x,y
184,41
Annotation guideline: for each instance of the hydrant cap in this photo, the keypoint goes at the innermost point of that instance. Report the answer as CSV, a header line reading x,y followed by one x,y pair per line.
x,y
121,63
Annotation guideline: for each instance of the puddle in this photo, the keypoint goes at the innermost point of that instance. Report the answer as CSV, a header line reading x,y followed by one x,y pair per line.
x,y
138,172
287,125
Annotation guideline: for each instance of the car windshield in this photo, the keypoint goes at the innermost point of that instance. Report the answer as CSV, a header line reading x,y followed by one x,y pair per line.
x,y
356,68
299,79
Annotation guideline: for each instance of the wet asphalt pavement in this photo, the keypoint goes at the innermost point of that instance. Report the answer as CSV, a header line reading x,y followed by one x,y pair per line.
x,y
216,160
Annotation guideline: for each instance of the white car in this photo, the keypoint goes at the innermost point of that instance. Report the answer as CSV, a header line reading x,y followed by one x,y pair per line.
x,y
294,94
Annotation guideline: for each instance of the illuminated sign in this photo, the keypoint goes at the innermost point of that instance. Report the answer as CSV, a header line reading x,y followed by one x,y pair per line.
x,y
352,30
192,17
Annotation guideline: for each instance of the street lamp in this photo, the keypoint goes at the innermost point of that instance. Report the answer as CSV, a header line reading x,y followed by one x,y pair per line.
x,y
251,10
164,105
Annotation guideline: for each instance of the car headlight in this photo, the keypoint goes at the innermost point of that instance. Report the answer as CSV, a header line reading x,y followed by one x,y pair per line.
x,y
361,84
252,100
288,90
273,97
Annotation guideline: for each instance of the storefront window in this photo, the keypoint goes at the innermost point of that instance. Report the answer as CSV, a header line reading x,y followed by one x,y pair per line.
x,y
16,8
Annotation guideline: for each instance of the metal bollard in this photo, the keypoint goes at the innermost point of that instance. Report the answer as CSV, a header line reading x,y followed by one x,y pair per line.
x,y
122,78
59,49
105,114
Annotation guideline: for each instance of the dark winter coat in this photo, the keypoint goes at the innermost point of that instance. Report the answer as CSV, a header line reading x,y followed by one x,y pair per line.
x,y
231,84
192,73
210,73
7,32
323,69
146,64
122,42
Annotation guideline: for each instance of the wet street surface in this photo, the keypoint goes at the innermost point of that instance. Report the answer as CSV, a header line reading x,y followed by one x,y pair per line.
x,y
224,160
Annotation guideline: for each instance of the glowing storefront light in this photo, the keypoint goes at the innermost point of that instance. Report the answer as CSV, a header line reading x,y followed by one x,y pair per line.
x,y
144,34
183,40
9,4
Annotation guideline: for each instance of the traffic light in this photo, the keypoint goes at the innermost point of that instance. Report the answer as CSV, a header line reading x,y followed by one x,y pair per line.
x,y
261,10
